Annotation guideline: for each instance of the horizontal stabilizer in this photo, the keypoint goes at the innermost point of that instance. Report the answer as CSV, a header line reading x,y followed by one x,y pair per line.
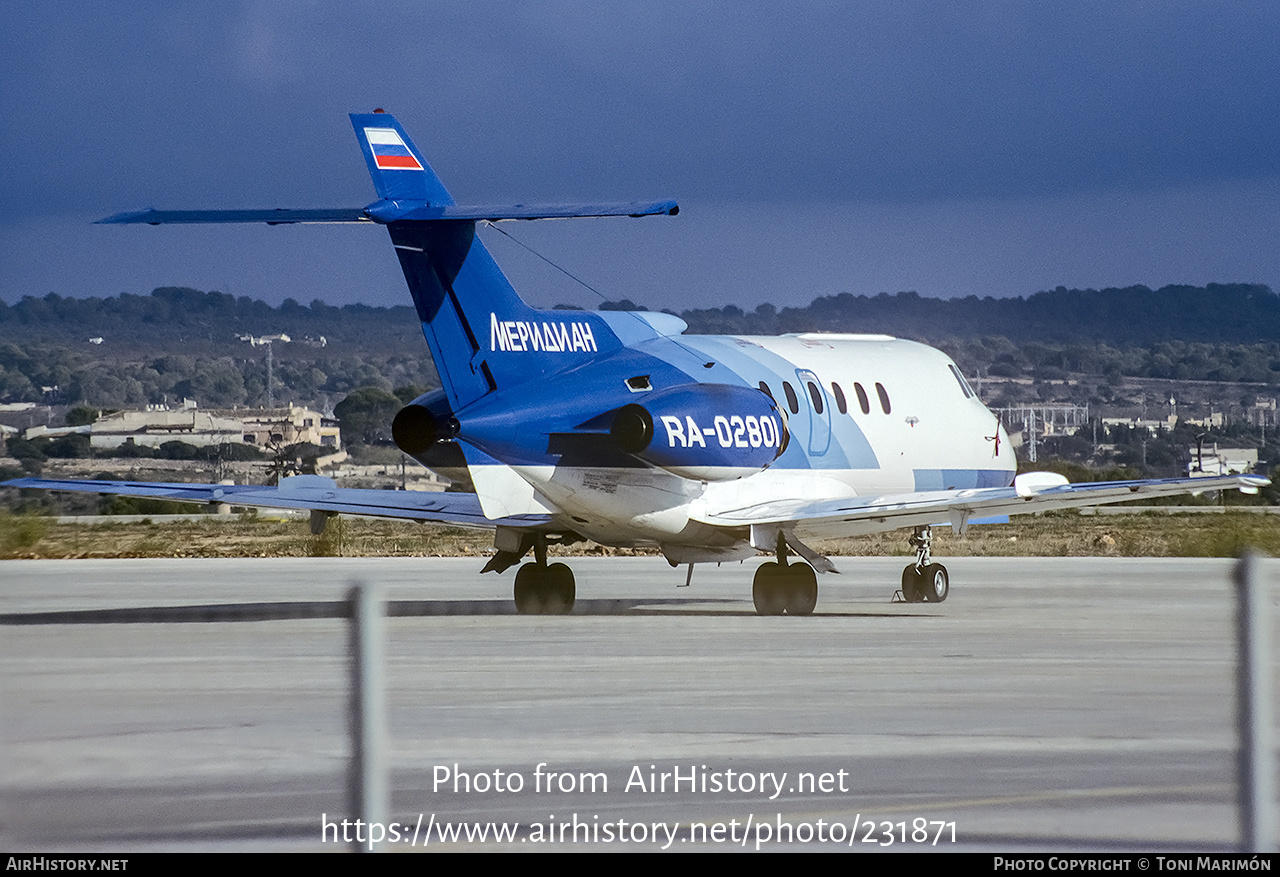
x,y
386,212
278,216
418,211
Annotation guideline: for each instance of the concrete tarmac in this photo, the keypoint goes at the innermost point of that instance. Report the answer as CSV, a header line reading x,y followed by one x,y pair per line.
x,y
1049,704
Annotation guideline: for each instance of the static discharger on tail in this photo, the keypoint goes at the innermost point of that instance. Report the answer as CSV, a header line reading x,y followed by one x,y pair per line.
x,y
620,428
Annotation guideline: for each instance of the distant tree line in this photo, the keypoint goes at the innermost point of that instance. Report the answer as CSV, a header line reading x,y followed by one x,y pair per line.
x,y
89,376
182,343
1124,317
1132,316
188,316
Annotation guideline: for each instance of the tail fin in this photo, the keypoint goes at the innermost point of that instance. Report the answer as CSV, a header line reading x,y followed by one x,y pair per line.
x,y
482,335
397,168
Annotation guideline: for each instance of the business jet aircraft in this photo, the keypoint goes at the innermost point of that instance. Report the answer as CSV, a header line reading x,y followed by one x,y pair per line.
x,y
618,427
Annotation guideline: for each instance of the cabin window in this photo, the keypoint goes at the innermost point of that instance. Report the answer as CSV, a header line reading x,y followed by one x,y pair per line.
x,y
764,388
839,394
863,402
884,397
792,402
816,395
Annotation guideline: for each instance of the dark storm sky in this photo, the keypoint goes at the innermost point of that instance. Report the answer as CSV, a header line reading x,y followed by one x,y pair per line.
x,y
816,148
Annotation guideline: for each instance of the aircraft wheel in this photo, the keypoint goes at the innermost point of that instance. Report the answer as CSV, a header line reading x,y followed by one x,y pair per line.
x,y
530,592
768,590
559,590
801,589
545,590
912,585
936,583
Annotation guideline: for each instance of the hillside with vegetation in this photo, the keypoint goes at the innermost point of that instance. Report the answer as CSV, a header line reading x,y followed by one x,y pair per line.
x,y
1121,352
131,350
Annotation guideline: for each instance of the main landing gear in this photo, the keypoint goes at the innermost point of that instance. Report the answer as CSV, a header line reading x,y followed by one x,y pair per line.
x,y
782,587
779,588
924,581
542,589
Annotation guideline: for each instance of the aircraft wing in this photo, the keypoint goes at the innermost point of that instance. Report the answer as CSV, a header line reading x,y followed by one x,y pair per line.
x,y
856,516
312,492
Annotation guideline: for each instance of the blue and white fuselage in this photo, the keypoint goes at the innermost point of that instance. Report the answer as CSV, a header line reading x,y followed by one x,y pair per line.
x,y
857,416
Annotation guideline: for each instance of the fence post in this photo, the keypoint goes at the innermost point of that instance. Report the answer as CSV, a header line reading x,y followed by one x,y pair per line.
x,y
368,784
1255,759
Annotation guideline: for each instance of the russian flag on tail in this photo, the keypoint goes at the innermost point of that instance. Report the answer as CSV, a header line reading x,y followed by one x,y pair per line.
x,y
389,151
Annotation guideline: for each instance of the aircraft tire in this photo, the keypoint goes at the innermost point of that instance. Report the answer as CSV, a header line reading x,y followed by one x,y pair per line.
x,y
768,590
543,590
560,590
801,589
529,590
936,583
912,585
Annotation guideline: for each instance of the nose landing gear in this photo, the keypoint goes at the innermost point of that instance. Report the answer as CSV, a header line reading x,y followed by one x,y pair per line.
x,y
924,581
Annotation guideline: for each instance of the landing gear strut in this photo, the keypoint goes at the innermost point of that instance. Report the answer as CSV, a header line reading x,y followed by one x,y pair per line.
x,y
782,587
542,589
924,581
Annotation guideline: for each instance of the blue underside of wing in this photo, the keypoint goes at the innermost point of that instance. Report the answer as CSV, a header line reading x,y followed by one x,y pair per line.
x,y
317,493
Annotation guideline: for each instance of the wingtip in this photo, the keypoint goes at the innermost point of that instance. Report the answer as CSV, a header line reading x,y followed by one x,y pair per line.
x,y
1251,484
128,216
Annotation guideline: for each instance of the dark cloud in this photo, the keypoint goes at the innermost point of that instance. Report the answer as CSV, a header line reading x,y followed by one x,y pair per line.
x,y
906,107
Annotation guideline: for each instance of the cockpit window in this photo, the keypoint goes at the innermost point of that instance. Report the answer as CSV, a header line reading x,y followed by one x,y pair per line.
x,y
964,385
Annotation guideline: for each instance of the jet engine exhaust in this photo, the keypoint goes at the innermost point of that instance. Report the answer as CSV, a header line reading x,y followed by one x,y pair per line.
x,y
415,429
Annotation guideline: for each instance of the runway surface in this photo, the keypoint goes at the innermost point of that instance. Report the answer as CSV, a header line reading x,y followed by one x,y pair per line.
x,y
1049,704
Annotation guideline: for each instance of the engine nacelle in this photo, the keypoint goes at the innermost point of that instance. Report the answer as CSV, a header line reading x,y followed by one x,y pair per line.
x,y
424,429
707,432
416,428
